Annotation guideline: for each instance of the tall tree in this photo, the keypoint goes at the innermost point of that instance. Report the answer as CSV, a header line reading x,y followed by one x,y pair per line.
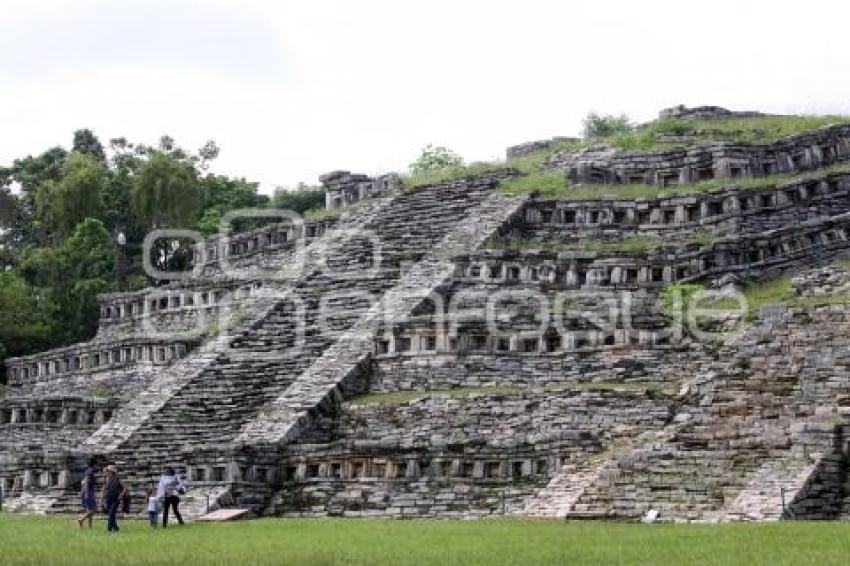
x,y
62,204
221,194
86,142
166,192
72,274
166,195
25,318
30,173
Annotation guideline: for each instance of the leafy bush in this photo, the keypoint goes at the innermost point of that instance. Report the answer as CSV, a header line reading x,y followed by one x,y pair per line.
x,y
605,125
300,200
672,126
435,158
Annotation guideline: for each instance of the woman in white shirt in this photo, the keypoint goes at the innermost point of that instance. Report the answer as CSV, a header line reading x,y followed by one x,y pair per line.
x,y
169,491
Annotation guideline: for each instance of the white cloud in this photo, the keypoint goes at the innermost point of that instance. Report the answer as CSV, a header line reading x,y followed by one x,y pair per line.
x,y
294,89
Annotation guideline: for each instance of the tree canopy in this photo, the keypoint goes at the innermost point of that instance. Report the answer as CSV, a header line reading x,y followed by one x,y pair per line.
x,y
166,193
300,200
60,214
61,204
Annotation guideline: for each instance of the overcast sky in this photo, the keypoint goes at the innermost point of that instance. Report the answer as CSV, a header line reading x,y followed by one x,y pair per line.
x,y
291,90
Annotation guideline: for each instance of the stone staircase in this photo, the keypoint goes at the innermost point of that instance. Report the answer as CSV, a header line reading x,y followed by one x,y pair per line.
x,y
30,502
170,380
563,496
237,390
761,498
559,497
199,501
286,416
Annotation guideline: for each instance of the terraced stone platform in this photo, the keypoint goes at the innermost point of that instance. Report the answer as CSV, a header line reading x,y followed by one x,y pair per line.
x,y
453,350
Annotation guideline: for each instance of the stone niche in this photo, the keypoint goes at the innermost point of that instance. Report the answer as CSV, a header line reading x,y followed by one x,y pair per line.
x,y
343,188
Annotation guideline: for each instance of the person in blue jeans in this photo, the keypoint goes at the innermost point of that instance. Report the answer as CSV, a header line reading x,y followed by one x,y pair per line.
x,y
88,497
169,490
113,493
153,508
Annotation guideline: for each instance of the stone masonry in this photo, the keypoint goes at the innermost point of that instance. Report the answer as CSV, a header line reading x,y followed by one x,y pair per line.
x,y
404,360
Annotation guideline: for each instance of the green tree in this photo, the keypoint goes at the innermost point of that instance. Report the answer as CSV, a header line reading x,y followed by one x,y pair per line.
x,y
8,207
62,204
166,192
25,318
86,142
434,158
300,200
604,125
30,173
227,193
222,194
72,275
208,152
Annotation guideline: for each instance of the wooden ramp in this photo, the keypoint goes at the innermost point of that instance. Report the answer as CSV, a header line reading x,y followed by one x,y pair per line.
x,y
227,515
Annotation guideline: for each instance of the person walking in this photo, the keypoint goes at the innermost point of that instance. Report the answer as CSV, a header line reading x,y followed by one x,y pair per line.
x,y
169,491
113,493
153,508
88,498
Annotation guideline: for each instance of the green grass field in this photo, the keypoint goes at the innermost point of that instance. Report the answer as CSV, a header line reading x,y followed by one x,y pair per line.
x,y
56,540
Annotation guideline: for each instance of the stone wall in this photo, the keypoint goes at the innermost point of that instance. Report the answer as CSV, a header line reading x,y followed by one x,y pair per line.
x,y
262,248
601,406
726,211
706,161
759,255
447,456
177,308
682,112
343,188
104,363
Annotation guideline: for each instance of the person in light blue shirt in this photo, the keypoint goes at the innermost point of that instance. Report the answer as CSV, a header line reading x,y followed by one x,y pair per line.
x,y
169,490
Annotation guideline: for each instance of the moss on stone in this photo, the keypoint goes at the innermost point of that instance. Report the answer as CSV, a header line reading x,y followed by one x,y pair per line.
x,y
100,391
553,185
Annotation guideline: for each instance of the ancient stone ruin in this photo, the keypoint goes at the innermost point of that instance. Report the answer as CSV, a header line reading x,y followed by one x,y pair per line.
x,y
403,361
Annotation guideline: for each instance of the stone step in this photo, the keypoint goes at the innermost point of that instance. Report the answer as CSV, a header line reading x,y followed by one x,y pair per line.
x,y
761,498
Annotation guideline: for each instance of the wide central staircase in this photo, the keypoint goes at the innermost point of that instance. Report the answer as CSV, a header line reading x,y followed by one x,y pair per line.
x,y
305,342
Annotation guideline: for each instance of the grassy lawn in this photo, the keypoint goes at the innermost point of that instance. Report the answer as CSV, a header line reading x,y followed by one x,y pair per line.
x,y
28,540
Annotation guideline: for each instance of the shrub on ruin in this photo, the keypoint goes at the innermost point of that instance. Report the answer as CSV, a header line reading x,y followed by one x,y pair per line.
x,y
672,126
435,158
597,125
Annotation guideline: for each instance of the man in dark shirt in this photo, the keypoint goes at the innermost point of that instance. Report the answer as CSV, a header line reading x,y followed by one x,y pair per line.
x,y
113,492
